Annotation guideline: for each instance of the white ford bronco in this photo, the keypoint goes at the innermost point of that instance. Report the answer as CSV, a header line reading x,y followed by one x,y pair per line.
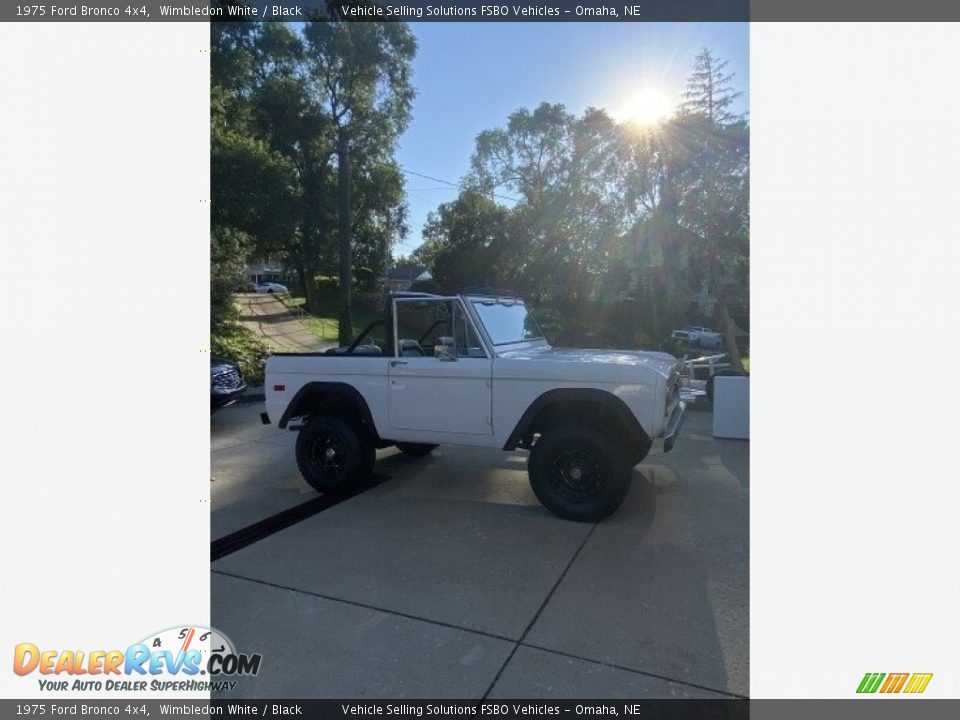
x,y
475,369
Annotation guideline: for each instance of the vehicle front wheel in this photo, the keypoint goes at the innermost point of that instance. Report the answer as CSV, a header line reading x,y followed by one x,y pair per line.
x,y
578,474
332,455
415,449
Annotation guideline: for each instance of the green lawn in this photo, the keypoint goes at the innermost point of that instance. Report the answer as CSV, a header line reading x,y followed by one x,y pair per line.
x,y
325,325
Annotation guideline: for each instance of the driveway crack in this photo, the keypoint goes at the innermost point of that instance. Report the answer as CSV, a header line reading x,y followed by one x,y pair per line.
x,y
536,616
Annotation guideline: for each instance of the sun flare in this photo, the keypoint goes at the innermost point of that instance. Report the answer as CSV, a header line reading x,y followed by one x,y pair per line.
x,y
647,106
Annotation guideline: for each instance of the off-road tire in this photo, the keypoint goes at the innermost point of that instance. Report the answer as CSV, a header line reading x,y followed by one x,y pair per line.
x,y
350,461
415,449
578,474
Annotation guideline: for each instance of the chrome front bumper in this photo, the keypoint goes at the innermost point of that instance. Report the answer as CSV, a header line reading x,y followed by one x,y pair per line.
x,y
674,424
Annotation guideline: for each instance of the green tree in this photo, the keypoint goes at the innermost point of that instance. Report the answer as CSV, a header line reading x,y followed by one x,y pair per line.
x,y
716,182
567,217
254,194
360,76
709,90
286,99
467,242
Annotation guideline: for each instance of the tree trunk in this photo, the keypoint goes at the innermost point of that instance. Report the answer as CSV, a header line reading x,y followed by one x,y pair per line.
x,y
346,258
729,330
311,293
312,186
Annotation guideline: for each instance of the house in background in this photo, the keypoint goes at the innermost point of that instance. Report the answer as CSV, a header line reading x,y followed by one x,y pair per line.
x,y
270,271
398,279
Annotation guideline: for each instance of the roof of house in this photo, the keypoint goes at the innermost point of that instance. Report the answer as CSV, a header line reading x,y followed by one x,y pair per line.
x,y
406,273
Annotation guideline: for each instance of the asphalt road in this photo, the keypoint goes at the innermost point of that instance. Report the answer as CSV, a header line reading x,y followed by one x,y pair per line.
x,y
448,579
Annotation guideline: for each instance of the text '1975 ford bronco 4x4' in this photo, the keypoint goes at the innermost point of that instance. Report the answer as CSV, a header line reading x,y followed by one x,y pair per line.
x,y
476,370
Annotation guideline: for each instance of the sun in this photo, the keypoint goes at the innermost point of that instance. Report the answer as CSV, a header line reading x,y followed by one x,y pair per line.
x,y
647,106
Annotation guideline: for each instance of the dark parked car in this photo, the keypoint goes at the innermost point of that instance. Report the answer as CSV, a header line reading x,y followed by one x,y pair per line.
x,y
226,384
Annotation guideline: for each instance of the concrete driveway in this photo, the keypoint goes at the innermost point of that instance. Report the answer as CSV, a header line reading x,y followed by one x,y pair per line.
x,y
448,579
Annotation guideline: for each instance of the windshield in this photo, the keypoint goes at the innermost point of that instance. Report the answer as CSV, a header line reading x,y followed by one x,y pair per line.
x,y
507,322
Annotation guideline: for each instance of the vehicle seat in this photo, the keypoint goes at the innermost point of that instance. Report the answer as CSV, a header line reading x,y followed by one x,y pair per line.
x,y
411,348
368,350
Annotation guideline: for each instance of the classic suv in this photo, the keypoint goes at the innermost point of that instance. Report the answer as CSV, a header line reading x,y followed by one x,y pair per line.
x,y
476,370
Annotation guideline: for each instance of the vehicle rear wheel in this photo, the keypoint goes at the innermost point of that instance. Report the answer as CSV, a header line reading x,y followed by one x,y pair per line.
x,y
415,449
332,455
578,474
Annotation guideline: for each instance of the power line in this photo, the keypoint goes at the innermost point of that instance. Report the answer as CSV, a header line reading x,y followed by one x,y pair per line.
x,y
453,184
425,189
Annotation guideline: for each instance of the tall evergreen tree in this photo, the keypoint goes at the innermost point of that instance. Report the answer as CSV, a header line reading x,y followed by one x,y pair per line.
x,y
709,91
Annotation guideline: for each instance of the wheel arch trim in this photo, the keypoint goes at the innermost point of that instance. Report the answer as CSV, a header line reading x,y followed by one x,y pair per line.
x,y
561,396
309,393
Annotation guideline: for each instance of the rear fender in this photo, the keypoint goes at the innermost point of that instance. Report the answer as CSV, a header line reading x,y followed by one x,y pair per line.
x,y
339,399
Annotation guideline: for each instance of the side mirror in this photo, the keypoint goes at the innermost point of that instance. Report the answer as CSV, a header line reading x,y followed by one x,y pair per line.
x,y
444,355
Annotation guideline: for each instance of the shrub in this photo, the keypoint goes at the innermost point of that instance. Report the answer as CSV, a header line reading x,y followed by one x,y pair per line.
x,y
365,279
326,283
642,340
241,346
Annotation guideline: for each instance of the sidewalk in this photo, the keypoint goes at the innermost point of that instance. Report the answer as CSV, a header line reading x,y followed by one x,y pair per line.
x,y
267,316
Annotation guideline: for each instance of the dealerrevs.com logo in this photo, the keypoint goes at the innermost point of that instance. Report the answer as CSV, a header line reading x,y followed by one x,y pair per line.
x,y
186,658
892,683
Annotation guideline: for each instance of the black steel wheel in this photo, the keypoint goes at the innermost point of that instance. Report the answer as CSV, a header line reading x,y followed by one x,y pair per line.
x,y
578,474
332,455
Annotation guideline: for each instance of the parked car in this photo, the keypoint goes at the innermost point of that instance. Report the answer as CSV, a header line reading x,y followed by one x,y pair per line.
x,y
271,288
684,337
226,384
476,370
704,337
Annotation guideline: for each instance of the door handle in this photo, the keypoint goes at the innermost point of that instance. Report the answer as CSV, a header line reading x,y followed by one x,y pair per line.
x,y
394,363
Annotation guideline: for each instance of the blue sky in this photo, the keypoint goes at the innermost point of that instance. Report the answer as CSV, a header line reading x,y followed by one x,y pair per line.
x,y
471,76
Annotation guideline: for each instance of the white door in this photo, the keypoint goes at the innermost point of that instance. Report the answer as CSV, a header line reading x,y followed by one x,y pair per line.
x,y
440,375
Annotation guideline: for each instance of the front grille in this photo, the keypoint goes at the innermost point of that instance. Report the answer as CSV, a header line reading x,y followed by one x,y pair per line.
x,y
227,379
673,388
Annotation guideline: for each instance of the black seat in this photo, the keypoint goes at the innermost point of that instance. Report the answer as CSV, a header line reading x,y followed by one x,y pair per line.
x,y
411,348
369,350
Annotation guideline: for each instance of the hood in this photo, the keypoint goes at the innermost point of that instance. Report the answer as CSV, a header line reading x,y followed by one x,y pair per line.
x,y
219,365
659,362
